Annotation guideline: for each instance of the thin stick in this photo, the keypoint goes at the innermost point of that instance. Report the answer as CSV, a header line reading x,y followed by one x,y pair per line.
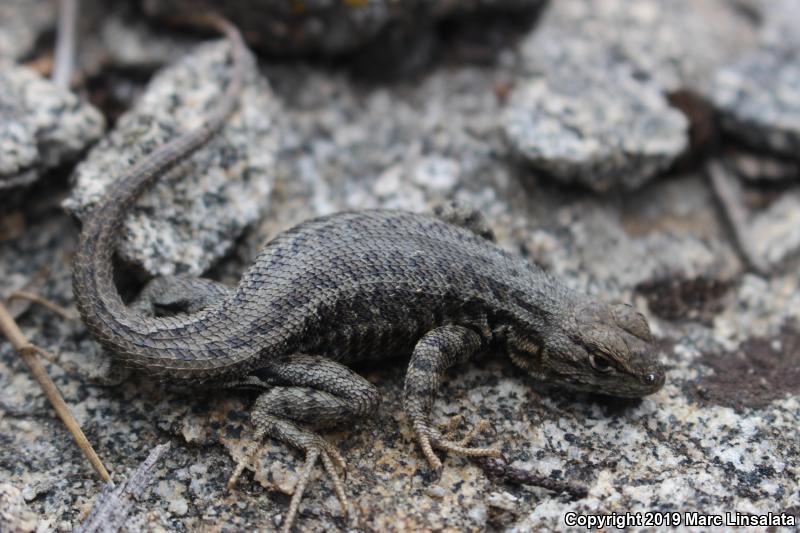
x,y
65,43
27,351
35,298
728,193
500,469
112,507
18,307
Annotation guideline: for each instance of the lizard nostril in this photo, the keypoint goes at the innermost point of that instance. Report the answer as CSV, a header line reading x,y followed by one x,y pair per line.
x,y
655,379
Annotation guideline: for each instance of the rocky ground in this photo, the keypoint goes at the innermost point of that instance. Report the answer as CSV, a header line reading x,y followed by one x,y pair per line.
x,y
583,131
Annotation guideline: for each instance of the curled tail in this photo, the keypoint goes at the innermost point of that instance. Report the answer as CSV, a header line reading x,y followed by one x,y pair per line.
x,y
96,295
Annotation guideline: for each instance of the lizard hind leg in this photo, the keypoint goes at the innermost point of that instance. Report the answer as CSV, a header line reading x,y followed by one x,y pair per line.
x,y
172,295
314,447
312,390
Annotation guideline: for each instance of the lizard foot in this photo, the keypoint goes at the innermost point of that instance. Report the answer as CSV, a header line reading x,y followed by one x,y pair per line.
x,y
449,428
315,448
430,438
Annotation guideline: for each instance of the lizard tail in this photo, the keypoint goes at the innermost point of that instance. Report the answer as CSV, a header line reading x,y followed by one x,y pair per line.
x,y
96,295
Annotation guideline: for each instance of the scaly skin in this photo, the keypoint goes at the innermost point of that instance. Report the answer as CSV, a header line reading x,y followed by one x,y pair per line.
x,y
346,287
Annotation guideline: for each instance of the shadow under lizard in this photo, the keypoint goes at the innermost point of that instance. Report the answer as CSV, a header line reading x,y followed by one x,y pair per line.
x,y
347,287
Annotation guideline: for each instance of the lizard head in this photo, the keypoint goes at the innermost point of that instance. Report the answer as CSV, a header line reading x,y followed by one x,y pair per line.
x,y
597,347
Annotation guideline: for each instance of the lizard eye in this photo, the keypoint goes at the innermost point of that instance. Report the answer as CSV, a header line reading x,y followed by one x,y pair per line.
x,y
600,363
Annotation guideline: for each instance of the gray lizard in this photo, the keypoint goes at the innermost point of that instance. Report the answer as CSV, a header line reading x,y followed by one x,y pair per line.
x,y
347,287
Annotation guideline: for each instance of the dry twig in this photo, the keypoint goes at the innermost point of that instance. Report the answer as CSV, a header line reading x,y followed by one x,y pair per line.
x,y
65,43
36,299
17,308
500,469
9,327
728,192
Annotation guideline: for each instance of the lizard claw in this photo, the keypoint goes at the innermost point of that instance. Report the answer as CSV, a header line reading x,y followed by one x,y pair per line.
x,y
331,460
430,439
315,448
247,456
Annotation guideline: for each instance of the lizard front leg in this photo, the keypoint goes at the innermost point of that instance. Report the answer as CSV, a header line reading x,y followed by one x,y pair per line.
x,y
437,351
316,391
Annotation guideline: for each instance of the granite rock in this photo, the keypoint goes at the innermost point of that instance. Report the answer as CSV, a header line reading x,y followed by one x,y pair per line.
x,y
758,308
670,42
15,515
614,263
663,247
601,130
188,221
116,35
758,96
41,125
591,106
778,22
398,148
131,43
777,228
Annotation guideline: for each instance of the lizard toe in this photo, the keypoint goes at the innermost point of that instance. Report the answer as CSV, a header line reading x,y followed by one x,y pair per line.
x,y
250,451
431,439
317,449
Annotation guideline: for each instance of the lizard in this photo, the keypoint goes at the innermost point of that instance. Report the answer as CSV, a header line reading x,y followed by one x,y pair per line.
x,y
356,285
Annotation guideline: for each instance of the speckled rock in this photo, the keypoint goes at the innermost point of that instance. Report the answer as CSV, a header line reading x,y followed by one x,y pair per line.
x,y
778,22
21,23
758,96
41,126
591,105
328,27
614,263
778,228
423,154
601,131
190,220
131,43
15,515
759,308
662,248
670,42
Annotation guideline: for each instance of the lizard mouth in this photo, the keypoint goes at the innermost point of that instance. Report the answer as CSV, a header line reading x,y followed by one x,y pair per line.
x,y
642,385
